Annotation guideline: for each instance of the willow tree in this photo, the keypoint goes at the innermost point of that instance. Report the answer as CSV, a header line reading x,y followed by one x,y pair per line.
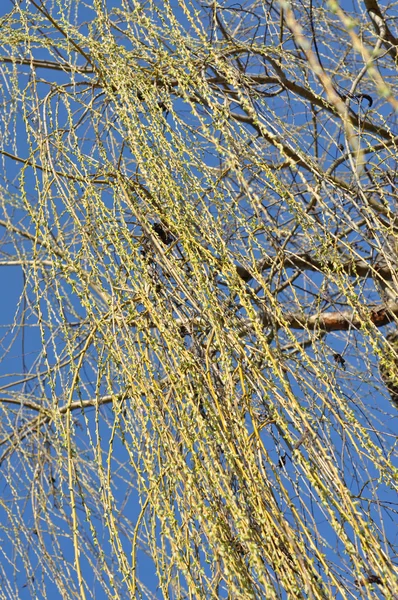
x,y
200,202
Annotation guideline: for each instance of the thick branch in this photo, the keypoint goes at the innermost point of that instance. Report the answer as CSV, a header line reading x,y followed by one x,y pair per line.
x,y
389,41
306,262
47,64
341,320
317,100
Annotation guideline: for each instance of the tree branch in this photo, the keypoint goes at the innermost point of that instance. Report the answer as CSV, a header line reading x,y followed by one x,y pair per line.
x,y
306,262
389,41
341,320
